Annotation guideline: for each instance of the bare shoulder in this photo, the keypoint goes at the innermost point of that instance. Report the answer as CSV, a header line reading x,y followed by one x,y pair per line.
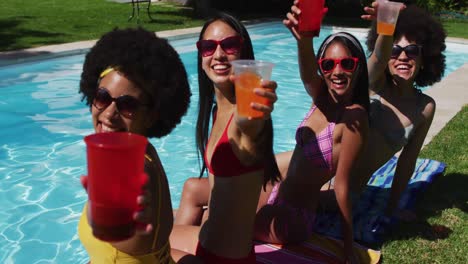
x,y
428,105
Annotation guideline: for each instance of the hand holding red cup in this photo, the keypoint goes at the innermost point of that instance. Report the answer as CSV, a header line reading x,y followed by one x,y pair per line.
x,y
114,182
310,18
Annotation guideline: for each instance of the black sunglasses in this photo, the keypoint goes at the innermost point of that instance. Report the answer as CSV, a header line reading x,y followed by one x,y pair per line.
x,y
126,105
412,51
230,45
348,64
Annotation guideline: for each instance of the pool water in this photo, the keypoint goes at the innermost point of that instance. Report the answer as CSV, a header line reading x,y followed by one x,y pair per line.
x,y
42,153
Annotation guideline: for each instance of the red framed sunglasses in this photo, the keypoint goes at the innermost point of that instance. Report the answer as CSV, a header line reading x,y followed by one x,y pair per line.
x,y
348,64
412,51
127,105
230,45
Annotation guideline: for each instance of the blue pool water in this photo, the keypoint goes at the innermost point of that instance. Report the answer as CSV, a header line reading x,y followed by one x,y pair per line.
x,y
42,153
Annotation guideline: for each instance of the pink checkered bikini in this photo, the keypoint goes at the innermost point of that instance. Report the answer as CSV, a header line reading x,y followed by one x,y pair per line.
x,y
319,150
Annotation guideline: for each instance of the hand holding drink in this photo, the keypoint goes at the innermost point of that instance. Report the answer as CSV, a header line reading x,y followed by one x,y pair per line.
x,y
115,179
310,18
387,16
249,75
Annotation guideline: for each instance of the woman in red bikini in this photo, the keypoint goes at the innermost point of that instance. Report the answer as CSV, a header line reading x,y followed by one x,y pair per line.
x,y
328,141
237,152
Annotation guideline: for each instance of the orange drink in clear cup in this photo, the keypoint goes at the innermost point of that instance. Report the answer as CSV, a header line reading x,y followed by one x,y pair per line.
x,y
248,76
387,16
385,28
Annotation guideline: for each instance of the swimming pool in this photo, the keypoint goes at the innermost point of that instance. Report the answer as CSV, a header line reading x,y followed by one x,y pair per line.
x,y
42,153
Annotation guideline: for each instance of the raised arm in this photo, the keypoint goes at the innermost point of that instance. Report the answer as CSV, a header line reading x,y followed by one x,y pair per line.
x,y
407,160
377,62
308,66
353,140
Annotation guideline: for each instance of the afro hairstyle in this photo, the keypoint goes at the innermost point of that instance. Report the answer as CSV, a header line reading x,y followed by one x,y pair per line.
x,y
148,61
417,25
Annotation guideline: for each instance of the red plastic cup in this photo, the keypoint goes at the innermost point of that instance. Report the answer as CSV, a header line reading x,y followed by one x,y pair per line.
x,y
115,179
310,18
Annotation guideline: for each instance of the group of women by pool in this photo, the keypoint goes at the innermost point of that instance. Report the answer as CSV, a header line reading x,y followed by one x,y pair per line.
x,y
364,111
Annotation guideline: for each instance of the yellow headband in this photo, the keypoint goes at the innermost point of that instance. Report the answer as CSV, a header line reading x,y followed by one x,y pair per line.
x,y
105,72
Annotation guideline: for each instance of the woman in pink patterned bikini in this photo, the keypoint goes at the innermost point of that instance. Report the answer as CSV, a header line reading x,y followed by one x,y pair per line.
x,y
328,141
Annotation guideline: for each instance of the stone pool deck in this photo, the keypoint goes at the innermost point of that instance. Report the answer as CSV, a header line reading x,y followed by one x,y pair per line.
x,y
451,94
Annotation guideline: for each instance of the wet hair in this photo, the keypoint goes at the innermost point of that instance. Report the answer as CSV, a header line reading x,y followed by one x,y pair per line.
x,y
417,25
148,61
207,103
361,77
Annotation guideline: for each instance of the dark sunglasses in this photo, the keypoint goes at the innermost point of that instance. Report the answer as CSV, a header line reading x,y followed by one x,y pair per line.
x,y
348,64
126,105
412,51
230,45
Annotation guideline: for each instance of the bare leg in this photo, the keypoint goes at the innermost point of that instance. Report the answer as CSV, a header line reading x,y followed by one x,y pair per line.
x,y
277,224
184,238
195,197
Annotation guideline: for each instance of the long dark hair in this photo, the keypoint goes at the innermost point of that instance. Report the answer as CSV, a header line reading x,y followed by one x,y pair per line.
x,y
207,105
361,87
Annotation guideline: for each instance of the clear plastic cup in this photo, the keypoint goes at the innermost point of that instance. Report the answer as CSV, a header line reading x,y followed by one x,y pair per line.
x,y
115,179
387,16
249,75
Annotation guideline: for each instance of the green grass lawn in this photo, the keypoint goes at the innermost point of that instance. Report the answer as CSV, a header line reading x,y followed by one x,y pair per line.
x,y
456,28
441,235
27,23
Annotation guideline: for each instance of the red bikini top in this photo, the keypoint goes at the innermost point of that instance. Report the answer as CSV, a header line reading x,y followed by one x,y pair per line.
x,y
224,162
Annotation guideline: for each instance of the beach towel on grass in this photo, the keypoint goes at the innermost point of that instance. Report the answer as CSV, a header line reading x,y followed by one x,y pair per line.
x,y
370,224
318,249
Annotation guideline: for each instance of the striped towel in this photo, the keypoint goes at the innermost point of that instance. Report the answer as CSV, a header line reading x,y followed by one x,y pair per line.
x,y
370,224
318,249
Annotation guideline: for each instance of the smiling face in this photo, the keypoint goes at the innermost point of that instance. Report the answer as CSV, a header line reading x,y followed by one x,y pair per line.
x,y
218,65
403,66
108,118
339,80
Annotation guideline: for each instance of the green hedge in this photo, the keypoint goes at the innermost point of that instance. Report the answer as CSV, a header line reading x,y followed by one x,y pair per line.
x,y
436,6
433,6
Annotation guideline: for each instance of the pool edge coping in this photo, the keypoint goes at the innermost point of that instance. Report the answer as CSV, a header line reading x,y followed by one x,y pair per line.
x,y
81,47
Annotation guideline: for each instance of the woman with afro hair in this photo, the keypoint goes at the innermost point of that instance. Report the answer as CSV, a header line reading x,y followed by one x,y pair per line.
x,y
134,81
400,114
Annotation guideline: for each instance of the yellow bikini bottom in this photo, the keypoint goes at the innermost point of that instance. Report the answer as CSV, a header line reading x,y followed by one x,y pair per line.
x,y
101,252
